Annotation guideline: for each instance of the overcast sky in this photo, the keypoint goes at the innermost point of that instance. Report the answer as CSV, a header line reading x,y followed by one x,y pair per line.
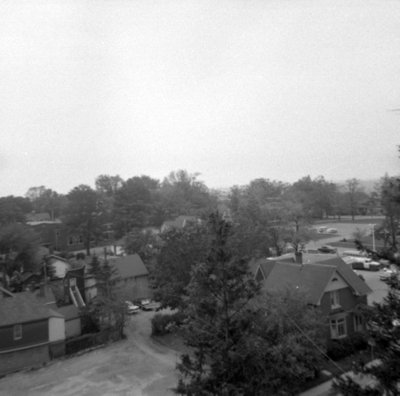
x,y
233,89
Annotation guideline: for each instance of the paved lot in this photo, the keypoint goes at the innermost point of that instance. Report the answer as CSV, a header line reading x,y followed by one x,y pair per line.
x,y
135,367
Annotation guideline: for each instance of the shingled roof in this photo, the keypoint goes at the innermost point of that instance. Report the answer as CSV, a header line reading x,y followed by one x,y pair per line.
x,y
130,266
310,278
23,307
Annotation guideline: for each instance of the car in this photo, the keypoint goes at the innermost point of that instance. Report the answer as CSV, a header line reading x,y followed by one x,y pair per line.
x,y
148,305
331,231
387,273
327,249
131,308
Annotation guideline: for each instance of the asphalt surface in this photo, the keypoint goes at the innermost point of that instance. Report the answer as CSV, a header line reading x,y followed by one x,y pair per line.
x,y
137,366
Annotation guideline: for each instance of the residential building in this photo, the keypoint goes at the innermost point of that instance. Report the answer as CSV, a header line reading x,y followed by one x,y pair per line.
x,y
131,276
179,223
31,333
328,283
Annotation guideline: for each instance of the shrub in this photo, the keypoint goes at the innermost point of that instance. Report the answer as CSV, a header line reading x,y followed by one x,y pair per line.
x,y
339,349
164,323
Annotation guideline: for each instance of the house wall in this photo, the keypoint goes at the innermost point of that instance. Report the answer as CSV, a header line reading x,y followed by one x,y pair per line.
x,y
17,360
32,333
348,301
73,327
137,288
56,329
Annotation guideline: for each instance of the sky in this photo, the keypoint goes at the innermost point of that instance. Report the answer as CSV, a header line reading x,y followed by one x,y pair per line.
x,y
232,89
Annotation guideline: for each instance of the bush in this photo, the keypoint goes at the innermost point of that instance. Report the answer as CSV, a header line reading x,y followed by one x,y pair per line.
x,y
164,323
339,349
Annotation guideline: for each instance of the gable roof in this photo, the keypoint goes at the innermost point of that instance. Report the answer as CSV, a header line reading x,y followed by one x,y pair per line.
x,y
311,278
24,307
69,312
130,266
350,277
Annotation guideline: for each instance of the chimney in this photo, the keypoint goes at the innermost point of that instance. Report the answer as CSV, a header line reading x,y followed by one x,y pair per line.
x,y
299,257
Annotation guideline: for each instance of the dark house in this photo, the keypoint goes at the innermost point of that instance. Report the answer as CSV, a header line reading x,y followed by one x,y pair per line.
x,y
328,284
132,276
31,333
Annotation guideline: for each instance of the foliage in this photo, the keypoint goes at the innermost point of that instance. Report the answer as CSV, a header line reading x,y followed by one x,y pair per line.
x,y
383,329
243,344
162,324
341,348
82,213
180,250
135,204
46,200
13,209
19,244
144,243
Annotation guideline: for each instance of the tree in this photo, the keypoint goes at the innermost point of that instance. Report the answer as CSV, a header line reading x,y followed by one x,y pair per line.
x,y
243,343
13,209
82,214
46,200
183,194
353,188
108,185
134,204
179,252
106,310
383,328
390,199
19,246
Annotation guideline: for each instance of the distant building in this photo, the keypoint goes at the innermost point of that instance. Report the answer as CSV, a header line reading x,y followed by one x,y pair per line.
x,y
180,222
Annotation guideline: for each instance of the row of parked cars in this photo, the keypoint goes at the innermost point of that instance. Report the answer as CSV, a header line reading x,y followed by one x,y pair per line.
x,y
141,305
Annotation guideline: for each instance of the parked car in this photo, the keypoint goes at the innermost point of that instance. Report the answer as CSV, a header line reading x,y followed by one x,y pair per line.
x,y
327,249
386,273
149,305
331,231
131,308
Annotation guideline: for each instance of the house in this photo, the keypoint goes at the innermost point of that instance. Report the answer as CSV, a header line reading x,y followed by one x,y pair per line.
x,y
328,284
132,276
57,267
30,333
72,317
179,223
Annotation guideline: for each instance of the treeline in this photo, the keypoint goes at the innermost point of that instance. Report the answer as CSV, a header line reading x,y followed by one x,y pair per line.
x,y
260,209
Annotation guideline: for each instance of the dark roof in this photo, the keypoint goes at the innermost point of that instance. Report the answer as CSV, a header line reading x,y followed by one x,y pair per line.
x,y
350,277
311,279
43,216
130,266
69,312
23,307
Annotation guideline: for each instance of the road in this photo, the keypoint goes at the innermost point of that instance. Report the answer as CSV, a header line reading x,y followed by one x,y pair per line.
x,y
137,366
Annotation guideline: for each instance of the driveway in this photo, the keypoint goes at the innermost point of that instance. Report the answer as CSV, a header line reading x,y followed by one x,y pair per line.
x,y
137,366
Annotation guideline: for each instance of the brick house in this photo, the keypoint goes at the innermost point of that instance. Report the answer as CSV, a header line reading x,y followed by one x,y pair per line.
x,y
328,284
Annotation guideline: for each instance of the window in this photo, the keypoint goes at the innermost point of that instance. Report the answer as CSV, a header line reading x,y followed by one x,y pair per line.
x,y
17,330
338,328
358,323
335,301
